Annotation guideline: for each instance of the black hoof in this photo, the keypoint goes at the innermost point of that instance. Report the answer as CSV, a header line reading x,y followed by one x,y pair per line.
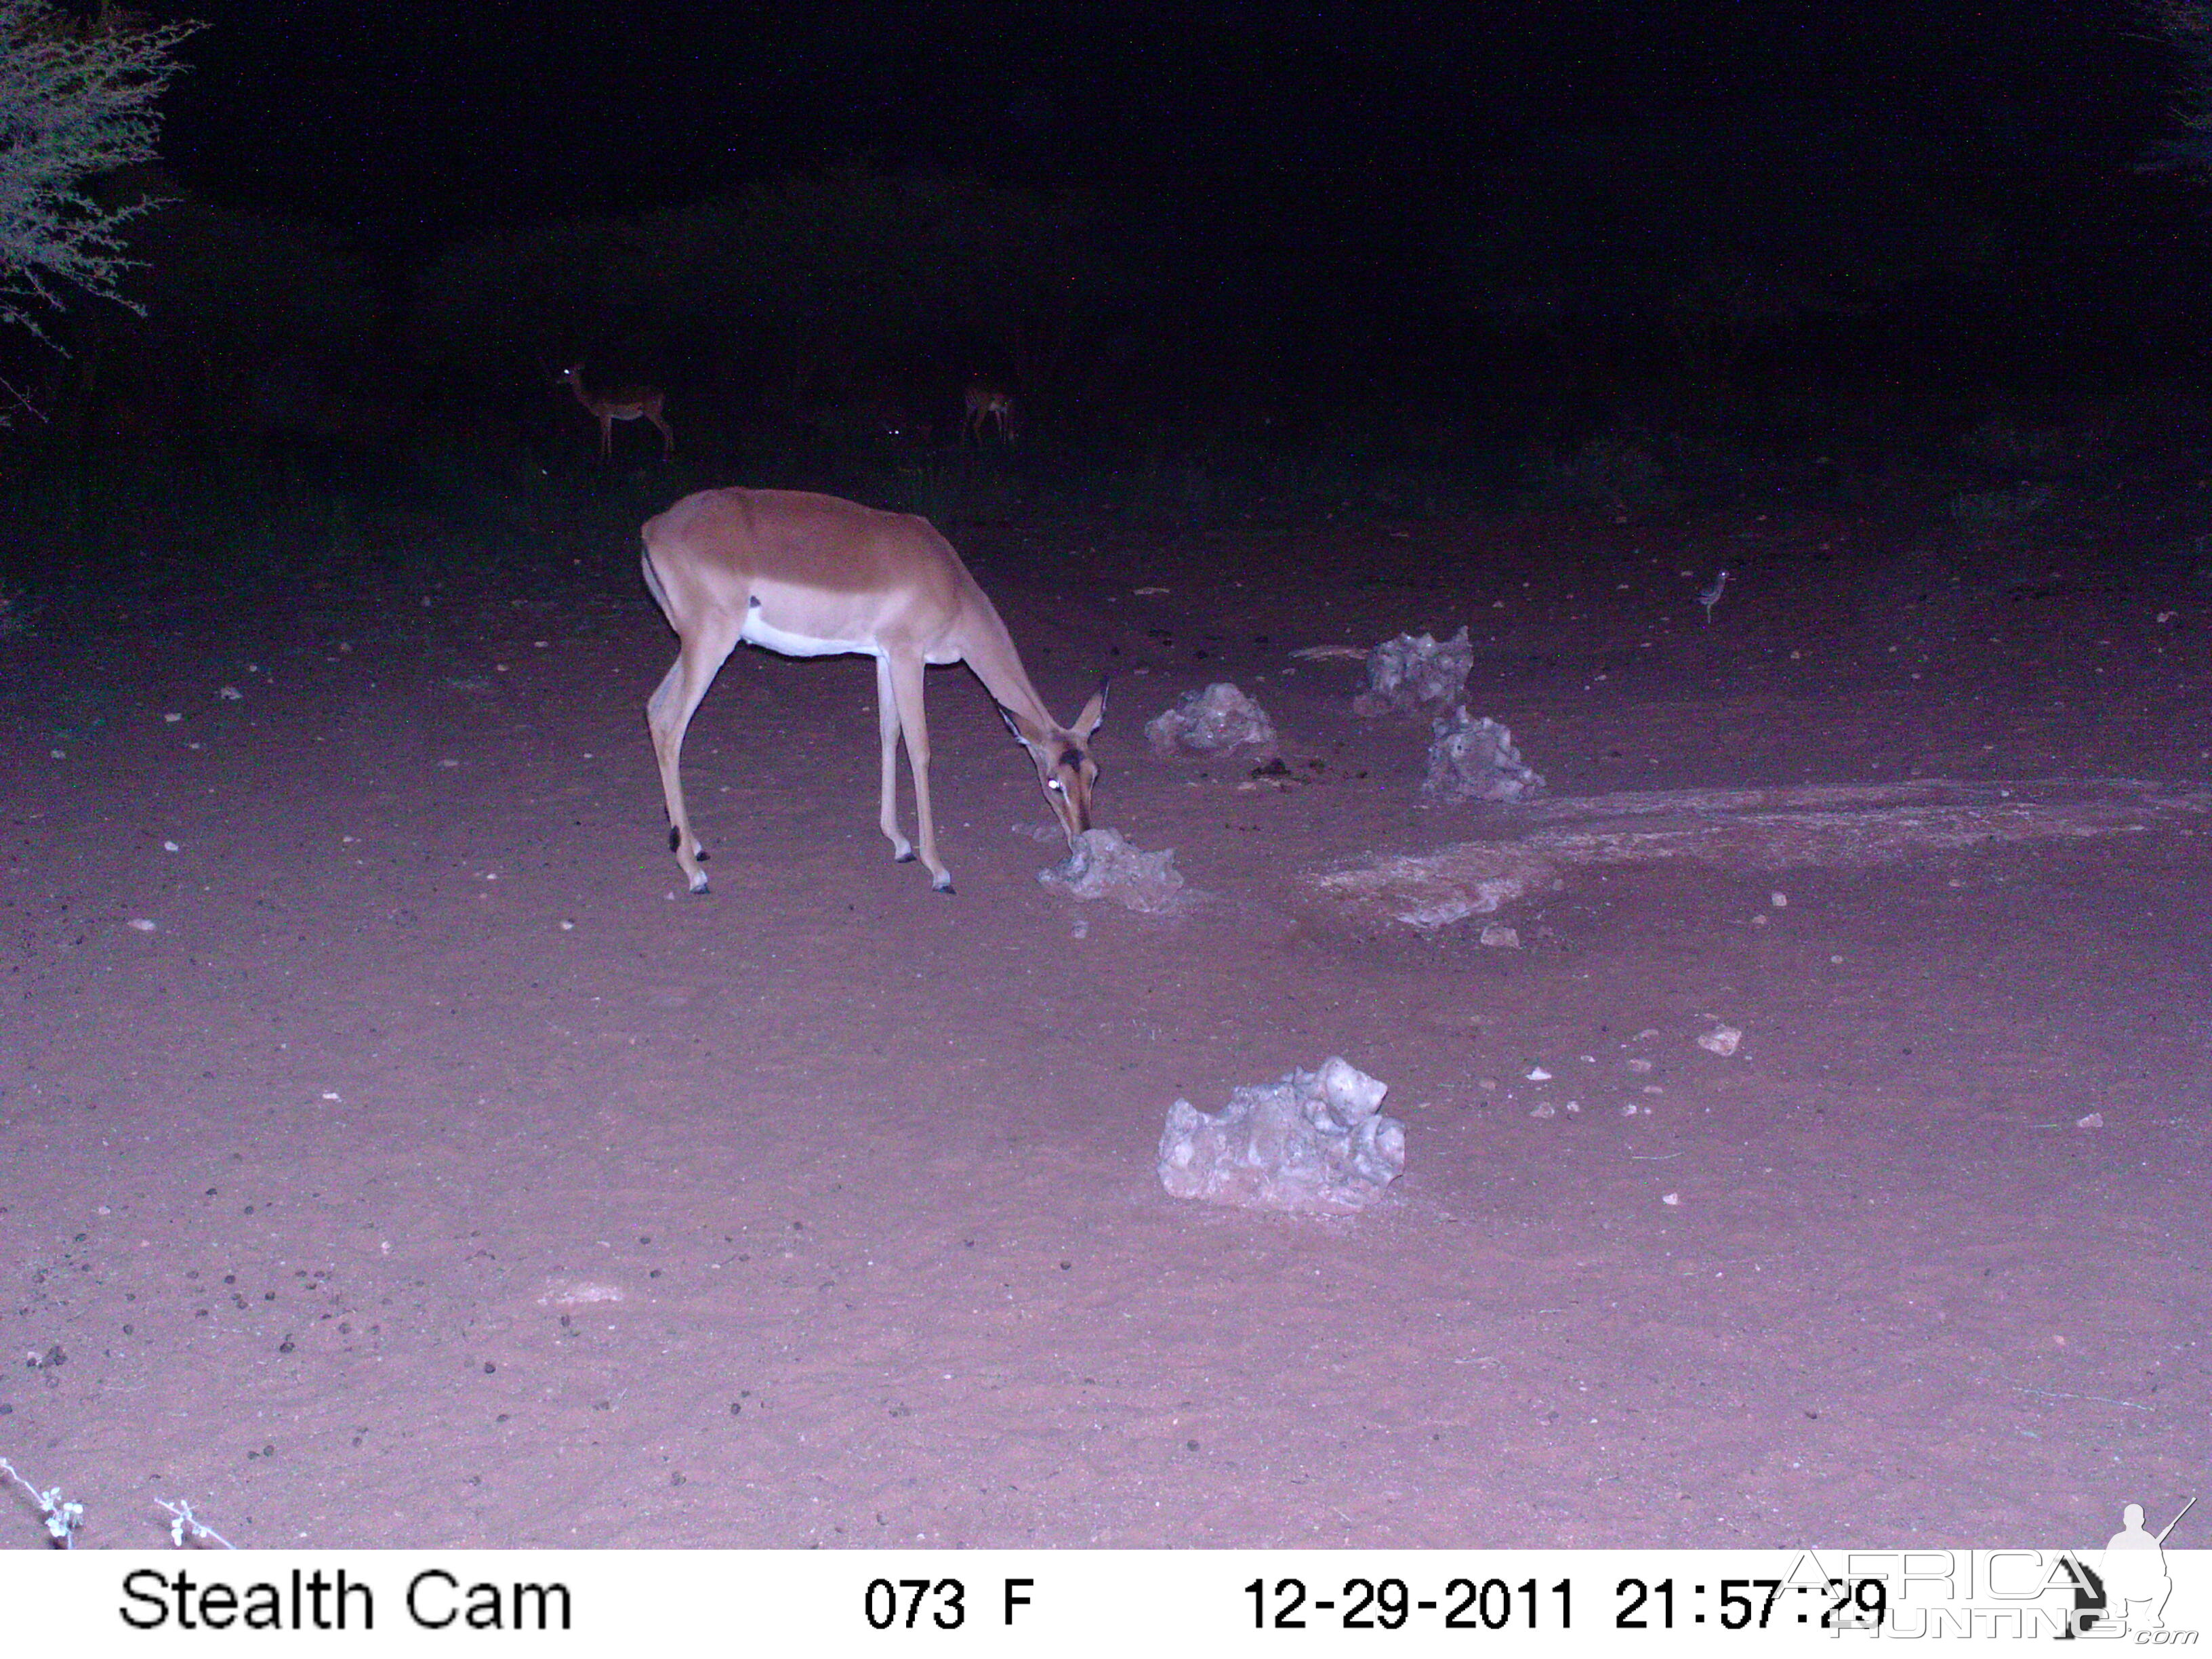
x,y
902,858
946,889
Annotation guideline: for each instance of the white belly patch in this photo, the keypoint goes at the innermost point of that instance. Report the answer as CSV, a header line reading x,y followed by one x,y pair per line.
x,y
758,632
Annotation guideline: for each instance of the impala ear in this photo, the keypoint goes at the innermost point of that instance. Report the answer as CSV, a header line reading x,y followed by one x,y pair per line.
x,y
1093,712
1031,741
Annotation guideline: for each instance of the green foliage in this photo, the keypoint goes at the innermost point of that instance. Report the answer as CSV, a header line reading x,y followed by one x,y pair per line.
x,y
516,305
76,101
1616,472
1696,256
240,290
237,324
2187,26
1987,512
794,288
2002,441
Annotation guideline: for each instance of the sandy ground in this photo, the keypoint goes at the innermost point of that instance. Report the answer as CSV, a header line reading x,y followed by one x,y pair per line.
x,y
434,1172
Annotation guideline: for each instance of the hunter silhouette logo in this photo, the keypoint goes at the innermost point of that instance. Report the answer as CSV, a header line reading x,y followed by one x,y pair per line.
x,y
2128,1589
2137,1582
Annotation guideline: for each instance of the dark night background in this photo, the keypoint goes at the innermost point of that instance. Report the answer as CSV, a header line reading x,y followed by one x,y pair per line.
x,y
1336,180
1274,245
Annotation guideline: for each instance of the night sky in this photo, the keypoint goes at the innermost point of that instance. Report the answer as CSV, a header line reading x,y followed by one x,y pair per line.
x,y
423,119
1342,164
419,121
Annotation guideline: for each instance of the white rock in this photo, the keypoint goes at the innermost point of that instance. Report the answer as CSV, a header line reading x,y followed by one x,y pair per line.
x,y
1410,673
1105,865
1313,1143
1473,759
1211,722
1722,1040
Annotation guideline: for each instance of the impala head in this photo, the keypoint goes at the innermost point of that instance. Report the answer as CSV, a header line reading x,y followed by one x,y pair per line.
x,y
1064,765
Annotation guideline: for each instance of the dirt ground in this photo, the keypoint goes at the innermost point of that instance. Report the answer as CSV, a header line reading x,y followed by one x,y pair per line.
x,y
434,1171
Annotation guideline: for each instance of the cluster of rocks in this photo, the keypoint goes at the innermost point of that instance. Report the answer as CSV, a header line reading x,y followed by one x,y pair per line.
x,y
1211,722
1316,1143
1415,674
1104,865
1471,758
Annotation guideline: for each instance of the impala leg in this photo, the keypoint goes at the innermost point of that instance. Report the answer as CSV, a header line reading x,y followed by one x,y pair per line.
x,y
668,715
667,434
906,670
887,721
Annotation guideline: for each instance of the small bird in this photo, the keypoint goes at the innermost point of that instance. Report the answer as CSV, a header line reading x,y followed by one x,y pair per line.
x,y
1712,596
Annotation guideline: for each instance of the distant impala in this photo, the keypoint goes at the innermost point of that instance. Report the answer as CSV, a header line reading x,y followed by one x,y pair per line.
x,y
629,403
985,402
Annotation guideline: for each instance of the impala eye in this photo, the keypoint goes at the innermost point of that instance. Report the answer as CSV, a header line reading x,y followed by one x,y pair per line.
x,y
1055,785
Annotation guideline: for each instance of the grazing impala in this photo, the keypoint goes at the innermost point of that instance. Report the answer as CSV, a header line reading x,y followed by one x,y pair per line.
x,y
629,403
985,402
813,576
